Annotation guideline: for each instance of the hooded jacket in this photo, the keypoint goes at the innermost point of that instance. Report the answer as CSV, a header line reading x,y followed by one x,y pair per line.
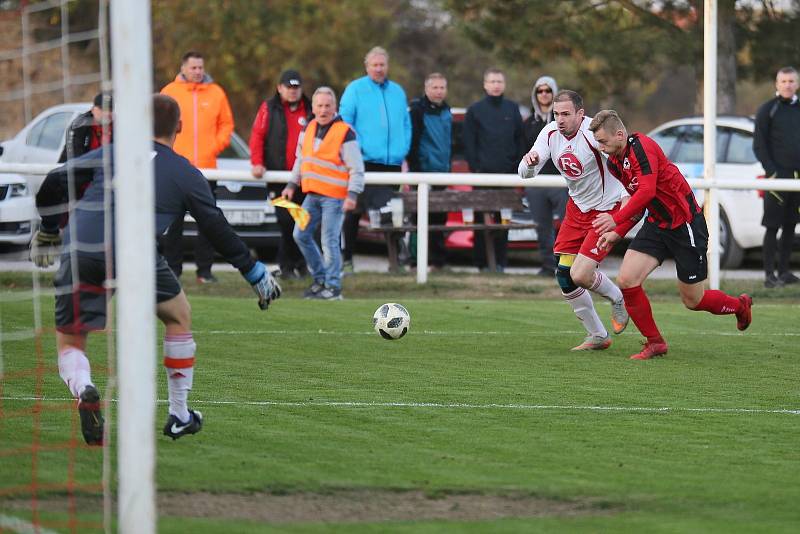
x,y
206,118
538,120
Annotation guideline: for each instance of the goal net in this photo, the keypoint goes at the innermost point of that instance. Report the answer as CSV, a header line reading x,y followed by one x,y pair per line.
x,y
55,56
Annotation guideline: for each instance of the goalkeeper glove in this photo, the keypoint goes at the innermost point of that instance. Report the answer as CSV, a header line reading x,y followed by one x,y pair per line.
x,y
265,286
44,248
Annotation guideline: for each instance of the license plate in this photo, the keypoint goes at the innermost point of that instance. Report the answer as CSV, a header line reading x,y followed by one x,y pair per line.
x,y
522,234
245,217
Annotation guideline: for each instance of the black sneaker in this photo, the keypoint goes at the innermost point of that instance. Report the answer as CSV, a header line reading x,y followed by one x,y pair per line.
x,y
772,281
91,416
175,428
788,278
313,290
329,293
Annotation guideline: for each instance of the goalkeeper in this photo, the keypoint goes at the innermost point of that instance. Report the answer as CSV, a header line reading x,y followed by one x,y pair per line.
x,y
81,295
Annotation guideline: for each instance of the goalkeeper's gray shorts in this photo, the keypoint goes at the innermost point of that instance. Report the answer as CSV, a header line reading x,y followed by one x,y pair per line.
x,y
81,303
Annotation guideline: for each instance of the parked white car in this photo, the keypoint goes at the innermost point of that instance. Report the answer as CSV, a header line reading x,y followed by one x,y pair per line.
x,y
42,141
740,210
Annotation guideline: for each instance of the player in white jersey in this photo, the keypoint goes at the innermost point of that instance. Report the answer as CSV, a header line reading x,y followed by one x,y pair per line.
x,y
592,190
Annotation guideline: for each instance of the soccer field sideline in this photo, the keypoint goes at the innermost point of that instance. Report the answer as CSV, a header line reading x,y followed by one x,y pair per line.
x,y
452,405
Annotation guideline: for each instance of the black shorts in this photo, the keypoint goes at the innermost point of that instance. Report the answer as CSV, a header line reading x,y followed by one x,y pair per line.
x,y
687,244
84,310
780,208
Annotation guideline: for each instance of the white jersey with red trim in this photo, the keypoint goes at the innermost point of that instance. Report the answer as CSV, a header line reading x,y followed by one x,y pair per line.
x,y
581,163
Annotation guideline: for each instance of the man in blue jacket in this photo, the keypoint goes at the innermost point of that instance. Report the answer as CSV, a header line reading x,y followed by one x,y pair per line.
x,y
432,125
493,141
376,108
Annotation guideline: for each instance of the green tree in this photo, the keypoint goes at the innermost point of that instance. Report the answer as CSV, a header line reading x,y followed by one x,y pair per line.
x,y
248,43
617,45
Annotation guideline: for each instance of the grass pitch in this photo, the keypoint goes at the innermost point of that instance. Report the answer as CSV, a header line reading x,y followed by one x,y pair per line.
x,y
480,419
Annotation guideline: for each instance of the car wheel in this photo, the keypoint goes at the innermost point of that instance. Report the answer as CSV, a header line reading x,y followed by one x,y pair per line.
x,y
731,254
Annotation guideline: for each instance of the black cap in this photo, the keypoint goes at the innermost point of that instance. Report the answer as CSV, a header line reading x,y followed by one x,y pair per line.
x,y
98,100
291,78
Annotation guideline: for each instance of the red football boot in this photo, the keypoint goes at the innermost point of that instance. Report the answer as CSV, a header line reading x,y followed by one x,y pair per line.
x,y
745,314
650,350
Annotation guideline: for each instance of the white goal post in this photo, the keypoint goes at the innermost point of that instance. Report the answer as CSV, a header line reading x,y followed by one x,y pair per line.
x,y
135,258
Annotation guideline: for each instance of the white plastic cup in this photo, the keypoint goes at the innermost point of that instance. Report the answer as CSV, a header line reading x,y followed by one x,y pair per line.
x,y
505,215
396,204
468,215
374,218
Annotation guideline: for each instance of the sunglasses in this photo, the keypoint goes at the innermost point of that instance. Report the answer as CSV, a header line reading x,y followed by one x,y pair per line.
x,y
542,91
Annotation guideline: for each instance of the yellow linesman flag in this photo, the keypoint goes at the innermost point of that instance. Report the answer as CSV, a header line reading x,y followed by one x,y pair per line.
x,y
299,214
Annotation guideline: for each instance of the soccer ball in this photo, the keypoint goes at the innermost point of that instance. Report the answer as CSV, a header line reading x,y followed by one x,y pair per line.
x,y
391,320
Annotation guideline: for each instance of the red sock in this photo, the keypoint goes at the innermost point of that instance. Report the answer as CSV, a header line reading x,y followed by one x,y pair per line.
x,y
716,302
638,307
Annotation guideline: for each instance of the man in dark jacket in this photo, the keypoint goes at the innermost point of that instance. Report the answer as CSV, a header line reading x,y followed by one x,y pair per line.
x,y
89,130
431,143
546,204
273,143
493,143
81,295
776,142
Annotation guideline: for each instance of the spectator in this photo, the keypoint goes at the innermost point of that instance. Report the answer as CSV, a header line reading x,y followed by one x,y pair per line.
x,y
376,107
431,142
494,142
207,124
273,143
776,142
329,169
546,204
89,130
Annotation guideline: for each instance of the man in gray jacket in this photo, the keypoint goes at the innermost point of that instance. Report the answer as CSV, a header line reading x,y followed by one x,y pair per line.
x,y
546,204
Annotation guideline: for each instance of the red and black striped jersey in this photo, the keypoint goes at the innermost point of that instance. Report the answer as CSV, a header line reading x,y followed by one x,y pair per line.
x,y
654,183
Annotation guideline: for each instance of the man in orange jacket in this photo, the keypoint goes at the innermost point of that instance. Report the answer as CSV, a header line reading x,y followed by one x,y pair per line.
x,y
207,124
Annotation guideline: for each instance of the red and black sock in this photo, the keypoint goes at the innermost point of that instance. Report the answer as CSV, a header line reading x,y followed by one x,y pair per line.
x,y
719,303
638,306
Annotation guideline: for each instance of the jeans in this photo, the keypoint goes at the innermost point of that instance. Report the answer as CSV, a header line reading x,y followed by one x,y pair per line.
x,y
325,265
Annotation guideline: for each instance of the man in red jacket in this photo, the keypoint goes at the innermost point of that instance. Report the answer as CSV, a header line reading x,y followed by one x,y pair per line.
x,y
273,142
675,227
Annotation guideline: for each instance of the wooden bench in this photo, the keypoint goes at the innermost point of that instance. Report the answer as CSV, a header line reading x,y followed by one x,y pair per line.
x,y
480,200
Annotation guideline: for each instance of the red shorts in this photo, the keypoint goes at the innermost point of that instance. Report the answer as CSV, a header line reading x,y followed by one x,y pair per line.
x,y
577,236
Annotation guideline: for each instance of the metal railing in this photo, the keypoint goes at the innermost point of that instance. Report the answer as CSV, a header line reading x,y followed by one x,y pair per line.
x,y
424,180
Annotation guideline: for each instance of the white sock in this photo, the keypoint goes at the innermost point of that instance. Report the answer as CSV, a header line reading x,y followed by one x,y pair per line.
x,y
582,305
179,362
603,286
75,371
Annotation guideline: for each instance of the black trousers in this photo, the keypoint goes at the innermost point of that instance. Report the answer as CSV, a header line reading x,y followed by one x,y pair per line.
x,y
780,213
289,256
373,197
546,204
171,244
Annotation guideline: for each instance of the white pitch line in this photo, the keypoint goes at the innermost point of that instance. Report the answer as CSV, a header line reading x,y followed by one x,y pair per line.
x,y
479,333
20,526
456,405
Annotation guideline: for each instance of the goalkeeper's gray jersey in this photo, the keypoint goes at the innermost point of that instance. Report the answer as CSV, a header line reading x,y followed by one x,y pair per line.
x,y
179,188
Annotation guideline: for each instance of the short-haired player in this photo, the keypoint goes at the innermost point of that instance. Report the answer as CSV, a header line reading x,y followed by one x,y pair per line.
x,y
675,227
